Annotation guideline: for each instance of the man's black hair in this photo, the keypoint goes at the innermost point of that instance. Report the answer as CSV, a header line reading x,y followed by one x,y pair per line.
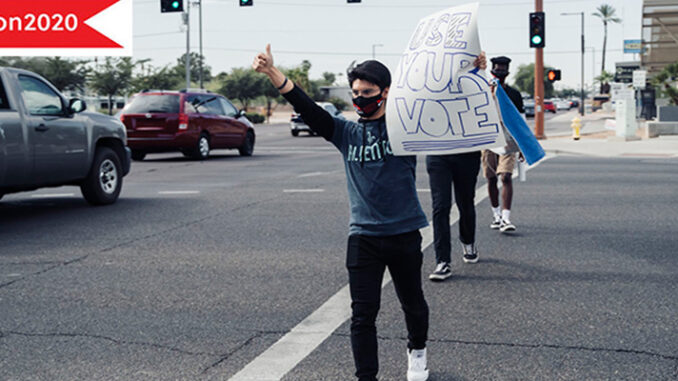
x,y
371,71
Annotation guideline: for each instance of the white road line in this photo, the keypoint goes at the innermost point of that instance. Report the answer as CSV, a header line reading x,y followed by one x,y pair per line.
x,y
296,345
303,190
52,195
178,192
312,174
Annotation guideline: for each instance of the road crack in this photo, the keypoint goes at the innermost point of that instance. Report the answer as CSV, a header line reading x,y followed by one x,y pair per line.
x,y
106,338
230,353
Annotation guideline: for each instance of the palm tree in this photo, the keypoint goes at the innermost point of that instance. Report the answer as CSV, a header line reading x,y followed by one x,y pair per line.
x,y
606,14
604,79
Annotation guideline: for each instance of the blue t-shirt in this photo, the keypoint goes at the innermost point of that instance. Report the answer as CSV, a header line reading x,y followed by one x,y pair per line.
x,y
381,187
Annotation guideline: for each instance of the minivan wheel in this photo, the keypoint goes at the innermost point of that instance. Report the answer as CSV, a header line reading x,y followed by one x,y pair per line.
x,y
138,155
202,149
247,147
104,181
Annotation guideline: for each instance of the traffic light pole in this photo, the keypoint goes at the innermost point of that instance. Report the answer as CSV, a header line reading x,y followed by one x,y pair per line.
x,y
201,56
582,108
539,84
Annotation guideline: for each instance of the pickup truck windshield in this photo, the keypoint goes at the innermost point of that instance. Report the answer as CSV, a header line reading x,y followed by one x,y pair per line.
x,y
154,104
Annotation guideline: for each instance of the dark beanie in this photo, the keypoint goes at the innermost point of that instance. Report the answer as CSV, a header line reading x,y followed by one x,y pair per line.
x,y
371,71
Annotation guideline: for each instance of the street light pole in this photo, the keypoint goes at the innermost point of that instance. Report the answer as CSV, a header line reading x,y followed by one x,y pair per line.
x,y
373,50
539,84
201,58
581,106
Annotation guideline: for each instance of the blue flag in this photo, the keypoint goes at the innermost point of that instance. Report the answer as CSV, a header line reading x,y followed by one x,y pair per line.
x,y
516,126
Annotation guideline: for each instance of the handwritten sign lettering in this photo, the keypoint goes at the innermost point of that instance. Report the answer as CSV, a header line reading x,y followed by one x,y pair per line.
x,y
439,103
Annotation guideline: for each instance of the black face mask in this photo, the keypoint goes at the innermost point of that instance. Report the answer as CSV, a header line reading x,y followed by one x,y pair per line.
x,y
500,73
366,107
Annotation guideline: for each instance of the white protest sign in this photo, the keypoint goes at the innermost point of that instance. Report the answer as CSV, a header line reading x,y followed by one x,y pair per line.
x,y
439,103
639,79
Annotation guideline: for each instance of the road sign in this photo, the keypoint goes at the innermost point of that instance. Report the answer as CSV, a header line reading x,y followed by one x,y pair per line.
x,y
639,79
633,46
624,71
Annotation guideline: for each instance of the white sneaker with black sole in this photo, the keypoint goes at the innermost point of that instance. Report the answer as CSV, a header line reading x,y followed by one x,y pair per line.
x,y
496,222
416,365
506,226
441,272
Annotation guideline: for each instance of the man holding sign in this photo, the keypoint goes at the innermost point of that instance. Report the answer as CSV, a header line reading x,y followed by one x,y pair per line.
x,y
385,212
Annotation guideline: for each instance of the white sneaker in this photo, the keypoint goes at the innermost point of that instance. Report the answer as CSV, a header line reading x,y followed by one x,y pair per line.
x,y
506,226
416,365
496,222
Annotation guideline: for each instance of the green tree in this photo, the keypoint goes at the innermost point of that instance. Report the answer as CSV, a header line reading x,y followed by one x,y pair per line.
x,y
64,74
524,80
271,95
667,80
243,84
111,78
604,80
606,13
164,78
180,68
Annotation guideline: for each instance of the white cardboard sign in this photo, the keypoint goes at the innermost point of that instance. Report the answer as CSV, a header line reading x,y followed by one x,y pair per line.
x,y
439,103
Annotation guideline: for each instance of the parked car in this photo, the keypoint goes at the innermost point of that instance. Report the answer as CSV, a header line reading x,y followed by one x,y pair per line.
x,y
49,141
562,104
297,124
192,122
529,108
549,106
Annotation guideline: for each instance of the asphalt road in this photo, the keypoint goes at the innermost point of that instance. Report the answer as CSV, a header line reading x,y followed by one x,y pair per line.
x,y
202,266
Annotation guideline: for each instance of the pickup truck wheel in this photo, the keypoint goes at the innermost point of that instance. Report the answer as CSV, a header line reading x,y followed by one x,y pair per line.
x,y
247,147
138,155
202,149
104,181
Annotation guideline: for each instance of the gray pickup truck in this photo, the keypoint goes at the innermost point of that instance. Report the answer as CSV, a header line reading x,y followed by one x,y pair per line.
x,y
48,141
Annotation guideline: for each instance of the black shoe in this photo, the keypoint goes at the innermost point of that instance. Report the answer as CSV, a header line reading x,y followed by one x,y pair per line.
x,y
441,272
472,256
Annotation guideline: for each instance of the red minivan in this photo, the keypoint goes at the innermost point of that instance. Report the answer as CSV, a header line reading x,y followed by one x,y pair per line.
x,y
190,122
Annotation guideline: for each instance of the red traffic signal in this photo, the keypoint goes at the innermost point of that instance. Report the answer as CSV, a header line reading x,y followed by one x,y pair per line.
x,y
553,75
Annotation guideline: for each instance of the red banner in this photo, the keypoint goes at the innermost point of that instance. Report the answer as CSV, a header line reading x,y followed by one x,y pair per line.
x,y
52,24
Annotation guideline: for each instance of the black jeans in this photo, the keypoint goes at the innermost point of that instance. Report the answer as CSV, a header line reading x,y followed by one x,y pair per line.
x,y
460,170
366,259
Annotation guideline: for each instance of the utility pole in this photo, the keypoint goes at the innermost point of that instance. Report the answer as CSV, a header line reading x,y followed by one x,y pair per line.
x,y
187,21
374,51
539,84
201,58
581,106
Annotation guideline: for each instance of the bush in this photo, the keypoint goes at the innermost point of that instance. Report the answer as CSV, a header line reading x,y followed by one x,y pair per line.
x,y
255,117
339,103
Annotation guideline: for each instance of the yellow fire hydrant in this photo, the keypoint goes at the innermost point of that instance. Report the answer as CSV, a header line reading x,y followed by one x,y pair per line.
x,y
576,127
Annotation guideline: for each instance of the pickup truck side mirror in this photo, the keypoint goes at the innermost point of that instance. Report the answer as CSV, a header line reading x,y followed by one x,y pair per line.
x,y
76,105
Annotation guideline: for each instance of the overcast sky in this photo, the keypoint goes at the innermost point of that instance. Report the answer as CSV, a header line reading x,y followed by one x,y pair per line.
x,y
331,33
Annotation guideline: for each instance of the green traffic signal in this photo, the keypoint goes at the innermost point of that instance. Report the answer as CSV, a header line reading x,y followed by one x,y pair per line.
x,y
175,5
536,40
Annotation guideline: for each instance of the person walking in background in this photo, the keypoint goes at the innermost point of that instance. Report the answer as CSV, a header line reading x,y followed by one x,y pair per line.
x,y
501,165
458,171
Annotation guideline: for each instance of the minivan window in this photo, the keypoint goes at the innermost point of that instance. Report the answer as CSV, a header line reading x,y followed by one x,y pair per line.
x,y
39,98
154,104
206,104
229,109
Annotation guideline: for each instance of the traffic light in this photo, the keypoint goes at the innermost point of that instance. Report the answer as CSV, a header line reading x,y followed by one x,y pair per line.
x,y
553,75
171,6
352,1
537,30
246,3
